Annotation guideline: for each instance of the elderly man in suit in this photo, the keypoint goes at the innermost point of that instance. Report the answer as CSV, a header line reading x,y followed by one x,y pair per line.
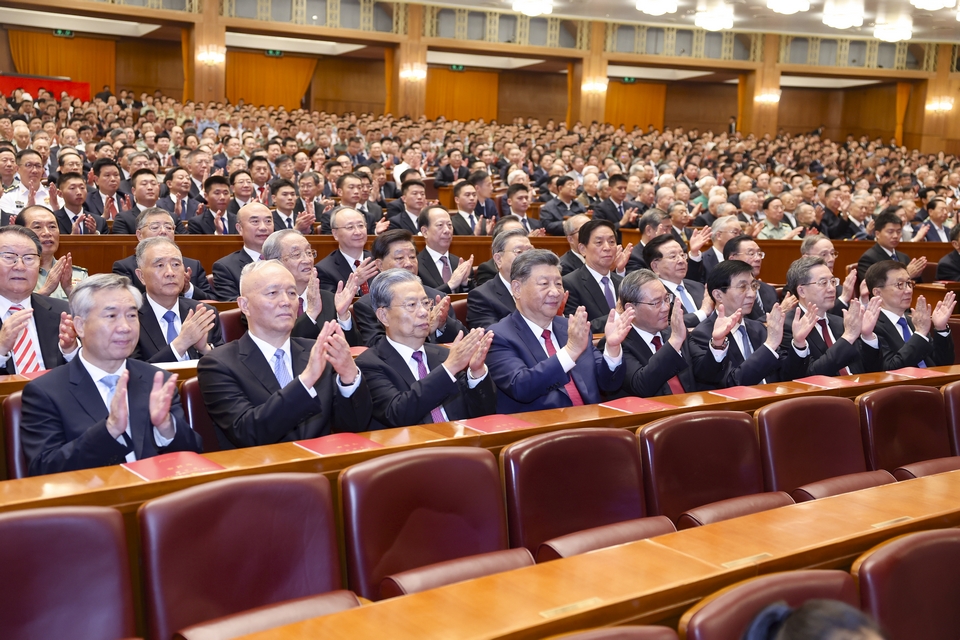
x,y
920,339
724,229
103,407
416,382
540,360
746,249
594,286
887,230
572,259
269,387
439,268
949,266
254,224
493,301
350,231
172,328
564,206
669,261
820,246
452,171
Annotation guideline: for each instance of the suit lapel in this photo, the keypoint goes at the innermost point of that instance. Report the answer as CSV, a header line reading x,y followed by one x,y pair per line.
x,y
392,359
150,326
431,267
85,392
593,288
48,330
138,399
252,358
531,341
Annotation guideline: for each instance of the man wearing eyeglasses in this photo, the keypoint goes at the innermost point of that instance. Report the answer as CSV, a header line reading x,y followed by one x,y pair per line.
x,y
57,276
834,344
438,268
722,231
729,348
315,307
669,261
820,246
920,339
888,228
155,222
745,248
36,332
349,229
493,301
415,382
29,190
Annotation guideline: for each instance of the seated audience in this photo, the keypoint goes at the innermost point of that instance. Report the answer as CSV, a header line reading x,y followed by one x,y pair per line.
x,y
948,268
668,260
178,201
820,246
564,206
813,620
488,270
350,231
572,259
71,217
146,192
30,190
888,226
439,268
108,199
594,286
254,224
746,249
493,301
284,195
413,199
213,216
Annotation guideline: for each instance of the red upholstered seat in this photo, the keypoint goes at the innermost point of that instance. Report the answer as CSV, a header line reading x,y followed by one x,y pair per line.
x,y
232,545
911,585
726,614
811,448
451,571
606,536
905,425
622,633
230,325
705,463
197,416
65,575
16,461
951,404
459,308
418,508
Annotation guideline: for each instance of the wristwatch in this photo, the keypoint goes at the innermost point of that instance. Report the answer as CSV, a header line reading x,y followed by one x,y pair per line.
x,y
724,345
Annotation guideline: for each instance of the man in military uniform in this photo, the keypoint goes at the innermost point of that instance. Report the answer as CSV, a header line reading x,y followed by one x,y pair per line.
x,y
30,190
57,276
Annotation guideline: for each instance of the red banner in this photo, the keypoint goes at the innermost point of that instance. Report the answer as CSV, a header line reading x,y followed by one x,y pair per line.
x,y
9,84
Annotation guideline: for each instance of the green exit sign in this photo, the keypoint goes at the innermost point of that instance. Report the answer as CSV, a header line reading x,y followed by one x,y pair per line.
x,y
456,67
629,80
63,33
274,53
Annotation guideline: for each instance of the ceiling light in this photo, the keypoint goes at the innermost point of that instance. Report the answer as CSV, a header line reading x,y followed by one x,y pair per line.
x,y
843,14
211,55
533,8
657,7
894,30
714,17
788,7
933,5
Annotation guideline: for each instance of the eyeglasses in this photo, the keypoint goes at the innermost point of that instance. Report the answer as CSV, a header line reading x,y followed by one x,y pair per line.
x,y
828,254
742,288
657,304
413,305
296,255
10,259
675,257
897,285
750,254
352,228
822,282
157,226
33,166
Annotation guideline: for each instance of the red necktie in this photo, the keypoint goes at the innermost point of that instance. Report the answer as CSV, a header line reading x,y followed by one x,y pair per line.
x,y
26,358
675,385
299,307
571,387
364,288
111,211
826,338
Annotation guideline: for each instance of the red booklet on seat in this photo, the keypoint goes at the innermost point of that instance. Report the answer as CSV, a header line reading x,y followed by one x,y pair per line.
x,y
634,404
171,465
355,351
742,393
338,443
496,422
916,373
826,382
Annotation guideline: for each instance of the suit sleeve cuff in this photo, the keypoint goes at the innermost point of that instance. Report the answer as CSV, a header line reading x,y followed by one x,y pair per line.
x,y
565,360
612,363
160,440
874,343
346,391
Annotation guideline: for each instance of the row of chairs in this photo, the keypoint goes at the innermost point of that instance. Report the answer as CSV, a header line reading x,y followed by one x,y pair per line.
x,y
909,584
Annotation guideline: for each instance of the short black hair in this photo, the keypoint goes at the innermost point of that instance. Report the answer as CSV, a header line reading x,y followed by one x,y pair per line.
x,y
722,275
885,218
733,245
515,189
213,180
876,275
587,228
381,246
280,183
652,250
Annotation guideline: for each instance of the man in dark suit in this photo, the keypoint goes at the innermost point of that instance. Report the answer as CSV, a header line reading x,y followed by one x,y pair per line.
x,y
392,250
269,387
655,358
284,195
50,340
103,408
887,230
518,196
350,231
722,231
178,201
949,266
921,339
572,259
453,171
594,286
465,220
563,206
543,361
146,192
350,186
155,222
254,224
412,381
493,301
244,189
438,268
414,199
745,248
172,328
616,208
483,183
107,201
488,270
680,217
214,217
729,349
831,344
72,188
667,259
198,163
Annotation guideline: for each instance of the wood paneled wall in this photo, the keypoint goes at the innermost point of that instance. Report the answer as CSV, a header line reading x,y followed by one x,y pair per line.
x,y
6,60
641,104
348,84
803,110
870,110
706,106
148,65
528,94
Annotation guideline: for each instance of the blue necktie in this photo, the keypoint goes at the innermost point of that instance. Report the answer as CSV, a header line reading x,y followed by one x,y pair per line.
x,y
110,382
688,305
747,347
905,330
280,368
170,317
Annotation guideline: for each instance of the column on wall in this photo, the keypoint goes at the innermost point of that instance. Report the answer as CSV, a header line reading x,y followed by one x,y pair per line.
x,y
204,60
587,92
757,108
928,122
407,67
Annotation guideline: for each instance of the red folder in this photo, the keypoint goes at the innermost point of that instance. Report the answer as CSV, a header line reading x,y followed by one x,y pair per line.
x,y
35,374
826,382
171,465
355,351
338,443
916,372
496,422
742,393
634,404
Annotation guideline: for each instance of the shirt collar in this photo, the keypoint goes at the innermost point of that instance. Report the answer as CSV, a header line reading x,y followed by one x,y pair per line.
x,y
269,350
596,274
435,256
406,352
250,252
159,309
537,329
891,316
5,305
96,372
647,336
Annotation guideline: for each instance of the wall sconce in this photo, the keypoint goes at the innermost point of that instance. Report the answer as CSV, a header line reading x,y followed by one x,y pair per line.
x,y
211,55
771,96
415,72
940,106
596,86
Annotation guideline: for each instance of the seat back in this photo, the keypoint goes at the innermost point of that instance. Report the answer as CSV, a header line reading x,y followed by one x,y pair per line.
x,y
417,508
911,585
452,571
232,545
230,325
930,271
568,481
901,425
16,461
459,308
65,574
197,416
699,458
622,633
797,450
726,614
951,404
954,324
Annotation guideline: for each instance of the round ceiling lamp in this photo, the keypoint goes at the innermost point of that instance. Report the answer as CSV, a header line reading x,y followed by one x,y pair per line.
x,y
894,30
657,7
788,7
715,16
843,14
933,5
533,8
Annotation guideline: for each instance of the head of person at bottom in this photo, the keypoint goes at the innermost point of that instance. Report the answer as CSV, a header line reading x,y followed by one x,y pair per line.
x,y
813,620
733,285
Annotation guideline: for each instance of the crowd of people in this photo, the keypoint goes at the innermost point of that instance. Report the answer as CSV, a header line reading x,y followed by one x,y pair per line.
x,y
686,309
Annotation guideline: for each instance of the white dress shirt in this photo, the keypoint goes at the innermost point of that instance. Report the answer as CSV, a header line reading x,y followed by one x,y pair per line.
x,y
269,350
27,303
566,361
158,311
